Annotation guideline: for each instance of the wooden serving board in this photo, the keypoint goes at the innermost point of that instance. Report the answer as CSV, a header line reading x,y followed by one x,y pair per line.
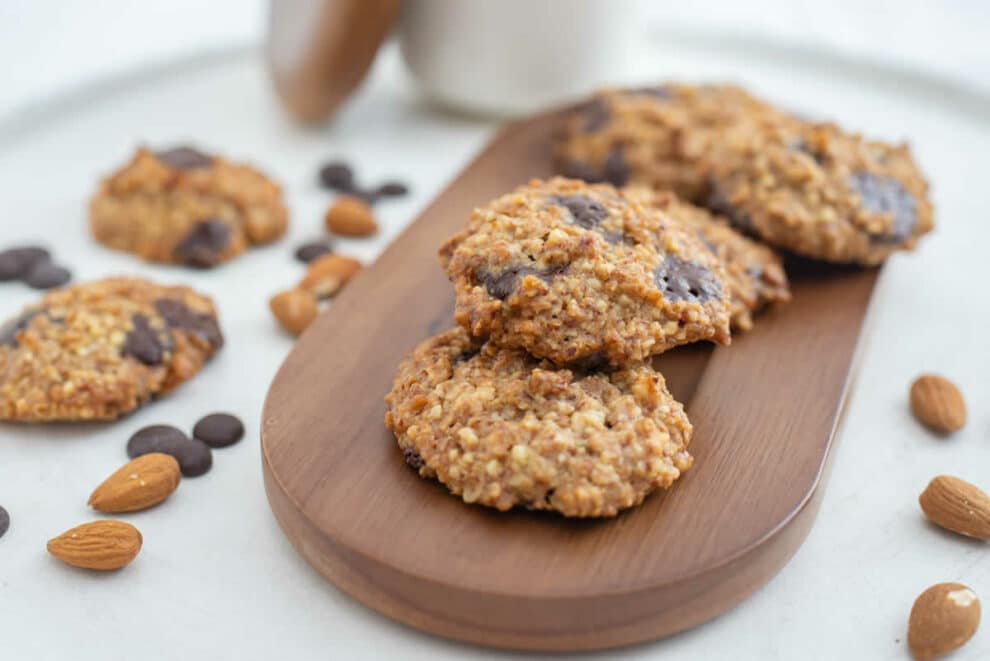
x,y
765,411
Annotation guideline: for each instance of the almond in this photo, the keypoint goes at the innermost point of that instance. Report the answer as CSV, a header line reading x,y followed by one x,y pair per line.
x,y
100,545
942,619
295,309
957,505
350,216
139,484
937,403
326,275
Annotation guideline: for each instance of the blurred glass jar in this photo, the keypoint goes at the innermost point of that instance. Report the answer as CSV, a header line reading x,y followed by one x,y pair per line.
x,y
492,57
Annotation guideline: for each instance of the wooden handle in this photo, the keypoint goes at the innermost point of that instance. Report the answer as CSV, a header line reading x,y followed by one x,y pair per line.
x,y
319,51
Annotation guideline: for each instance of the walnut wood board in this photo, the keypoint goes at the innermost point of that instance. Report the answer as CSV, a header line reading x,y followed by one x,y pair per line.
x,y
765,412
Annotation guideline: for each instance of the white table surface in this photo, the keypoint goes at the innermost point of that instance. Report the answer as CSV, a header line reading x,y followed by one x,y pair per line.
x,y
217,579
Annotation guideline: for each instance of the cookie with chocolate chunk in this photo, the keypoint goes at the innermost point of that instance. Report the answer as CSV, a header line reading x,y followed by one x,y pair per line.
x,y
503,429
98,350
652,136
583,276
819,191
180,206
755,272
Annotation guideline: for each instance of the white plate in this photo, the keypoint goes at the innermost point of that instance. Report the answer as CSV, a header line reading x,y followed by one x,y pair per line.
x,y
216,579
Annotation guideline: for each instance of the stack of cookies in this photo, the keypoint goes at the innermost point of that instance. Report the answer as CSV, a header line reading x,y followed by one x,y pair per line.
x,y
666,233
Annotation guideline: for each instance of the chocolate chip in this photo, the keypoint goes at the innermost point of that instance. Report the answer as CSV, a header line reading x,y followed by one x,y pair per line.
x,y
718,202
4,521
411,457
155,438
886,195
142,342
392,189
46,275
585,211
204,244
680,280
15,263
184,158
502,285
616,169
307,252
178,315
656,91
593,362
596,115
194,457
10,329
218,430
337,176
580,170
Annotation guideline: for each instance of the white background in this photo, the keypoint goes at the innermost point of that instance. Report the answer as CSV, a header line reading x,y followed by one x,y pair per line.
x,y
217,579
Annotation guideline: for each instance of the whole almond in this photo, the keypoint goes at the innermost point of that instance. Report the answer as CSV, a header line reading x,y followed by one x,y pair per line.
x,y
100,545
943,618
139,484
957,505
350,216
937,403
326,275
295,309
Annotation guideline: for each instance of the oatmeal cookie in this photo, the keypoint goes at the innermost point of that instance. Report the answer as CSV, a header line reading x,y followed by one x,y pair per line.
x,y
180,206
653,136
755,272
819,191
583,276
98,350
503,429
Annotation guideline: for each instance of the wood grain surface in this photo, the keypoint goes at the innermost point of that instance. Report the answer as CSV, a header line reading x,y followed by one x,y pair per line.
x,y
765,411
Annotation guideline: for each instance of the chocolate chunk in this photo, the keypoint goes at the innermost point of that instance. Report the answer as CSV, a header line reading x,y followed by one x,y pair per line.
x,y
10,329
218,430
204,244
502,285
194,457
886,195
179,316
581,170
307,252
337,176
15,263
585,211
718,202
616,169
46,275
656,91
593,362
596,115
4,521
411,457
680,280
143,343
156,438
184,158
392,189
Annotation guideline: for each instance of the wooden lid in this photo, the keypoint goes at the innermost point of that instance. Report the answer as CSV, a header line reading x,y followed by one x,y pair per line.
x,y
319,52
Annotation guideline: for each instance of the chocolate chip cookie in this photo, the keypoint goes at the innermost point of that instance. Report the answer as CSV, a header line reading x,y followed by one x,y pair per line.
x,y
180,206
653,136
503,429
98,350
819,191
755,273
583,276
